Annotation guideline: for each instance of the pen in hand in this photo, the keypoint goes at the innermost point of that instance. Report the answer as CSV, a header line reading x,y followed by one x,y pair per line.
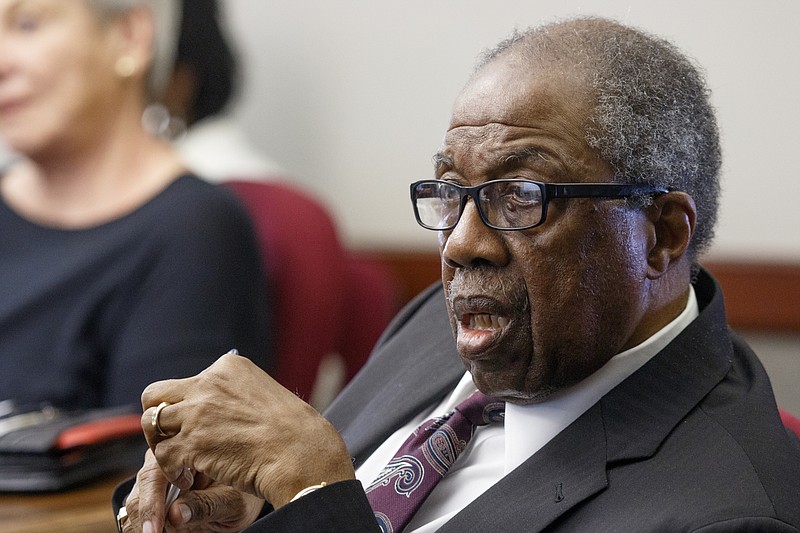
x,y
172,495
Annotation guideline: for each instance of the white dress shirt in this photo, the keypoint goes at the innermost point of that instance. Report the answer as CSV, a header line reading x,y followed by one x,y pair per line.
x,y
497,449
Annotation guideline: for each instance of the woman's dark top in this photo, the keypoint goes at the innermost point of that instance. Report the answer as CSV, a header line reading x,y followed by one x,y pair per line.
x,y
89,317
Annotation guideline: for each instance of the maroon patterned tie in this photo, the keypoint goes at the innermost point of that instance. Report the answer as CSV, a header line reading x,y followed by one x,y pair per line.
x,y
425,457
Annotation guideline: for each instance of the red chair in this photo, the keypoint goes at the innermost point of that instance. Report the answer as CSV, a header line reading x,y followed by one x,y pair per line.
x,y
790,421
371,303
304,262
327,301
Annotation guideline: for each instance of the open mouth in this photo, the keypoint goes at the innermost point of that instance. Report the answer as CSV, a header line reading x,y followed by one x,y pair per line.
x,y
477,332
484,321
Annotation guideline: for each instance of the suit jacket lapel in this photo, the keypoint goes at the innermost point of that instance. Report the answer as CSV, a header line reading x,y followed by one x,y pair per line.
x,y
640,412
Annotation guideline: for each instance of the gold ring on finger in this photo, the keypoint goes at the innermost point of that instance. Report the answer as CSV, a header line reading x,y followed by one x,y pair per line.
x,y
155,421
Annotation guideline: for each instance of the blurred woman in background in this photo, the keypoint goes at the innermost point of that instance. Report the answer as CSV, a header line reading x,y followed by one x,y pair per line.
x,y
117,266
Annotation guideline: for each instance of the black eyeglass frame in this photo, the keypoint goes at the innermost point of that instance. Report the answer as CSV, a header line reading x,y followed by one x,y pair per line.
x,y
549,192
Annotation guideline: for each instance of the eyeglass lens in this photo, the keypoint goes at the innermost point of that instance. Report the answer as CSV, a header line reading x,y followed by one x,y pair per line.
x,y
502,204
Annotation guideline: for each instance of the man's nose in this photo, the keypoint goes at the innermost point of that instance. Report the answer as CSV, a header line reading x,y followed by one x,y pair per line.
x,y
472,242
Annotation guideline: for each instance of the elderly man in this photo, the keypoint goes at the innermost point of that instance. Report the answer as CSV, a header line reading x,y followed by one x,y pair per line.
x,y
576,186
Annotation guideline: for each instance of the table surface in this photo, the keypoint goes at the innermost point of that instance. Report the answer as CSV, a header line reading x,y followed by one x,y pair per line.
x,y
85,509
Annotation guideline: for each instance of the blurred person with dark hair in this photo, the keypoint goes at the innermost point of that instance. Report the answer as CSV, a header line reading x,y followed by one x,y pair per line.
x,y
113,253
205,81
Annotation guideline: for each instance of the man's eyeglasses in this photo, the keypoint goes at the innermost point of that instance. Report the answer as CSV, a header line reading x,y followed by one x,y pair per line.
x,y
510,204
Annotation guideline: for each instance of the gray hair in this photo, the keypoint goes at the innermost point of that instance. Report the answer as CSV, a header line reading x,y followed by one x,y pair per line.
x,y
652,121
167,16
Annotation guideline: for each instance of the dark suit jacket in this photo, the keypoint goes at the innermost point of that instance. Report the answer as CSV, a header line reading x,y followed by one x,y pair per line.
x,y
692,441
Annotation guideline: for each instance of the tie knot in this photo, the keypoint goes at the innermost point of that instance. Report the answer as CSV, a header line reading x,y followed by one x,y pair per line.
x,y
481,409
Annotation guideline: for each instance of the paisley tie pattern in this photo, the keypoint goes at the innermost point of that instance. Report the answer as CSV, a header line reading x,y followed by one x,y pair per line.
x,y
425,457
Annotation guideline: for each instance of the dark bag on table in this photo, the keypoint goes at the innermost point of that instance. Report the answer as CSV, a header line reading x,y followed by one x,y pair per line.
x,y
47,449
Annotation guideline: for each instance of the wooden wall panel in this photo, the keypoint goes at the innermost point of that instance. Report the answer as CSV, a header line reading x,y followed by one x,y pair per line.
x,y
760,296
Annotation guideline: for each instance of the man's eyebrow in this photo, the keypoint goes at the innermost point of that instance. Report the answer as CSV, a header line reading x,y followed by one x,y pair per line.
x,y
443,163
518,156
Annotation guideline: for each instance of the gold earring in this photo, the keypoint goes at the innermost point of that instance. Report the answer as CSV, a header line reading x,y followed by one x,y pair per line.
x,y
125,66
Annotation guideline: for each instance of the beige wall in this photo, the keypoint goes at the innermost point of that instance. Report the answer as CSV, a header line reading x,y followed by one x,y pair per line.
x,y
352,98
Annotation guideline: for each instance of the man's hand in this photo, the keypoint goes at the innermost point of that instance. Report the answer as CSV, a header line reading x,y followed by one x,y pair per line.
x,y
236,425
207,506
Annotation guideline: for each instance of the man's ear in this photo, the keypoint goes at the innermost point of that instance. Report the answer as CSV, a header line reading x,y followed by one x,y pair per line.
x,y
673,216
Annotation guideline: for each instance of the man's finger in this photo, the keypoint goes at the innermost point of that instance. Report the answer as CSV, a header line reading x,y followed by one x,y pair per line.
x,y
168,390
160,422
172,464
152,489
224,507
